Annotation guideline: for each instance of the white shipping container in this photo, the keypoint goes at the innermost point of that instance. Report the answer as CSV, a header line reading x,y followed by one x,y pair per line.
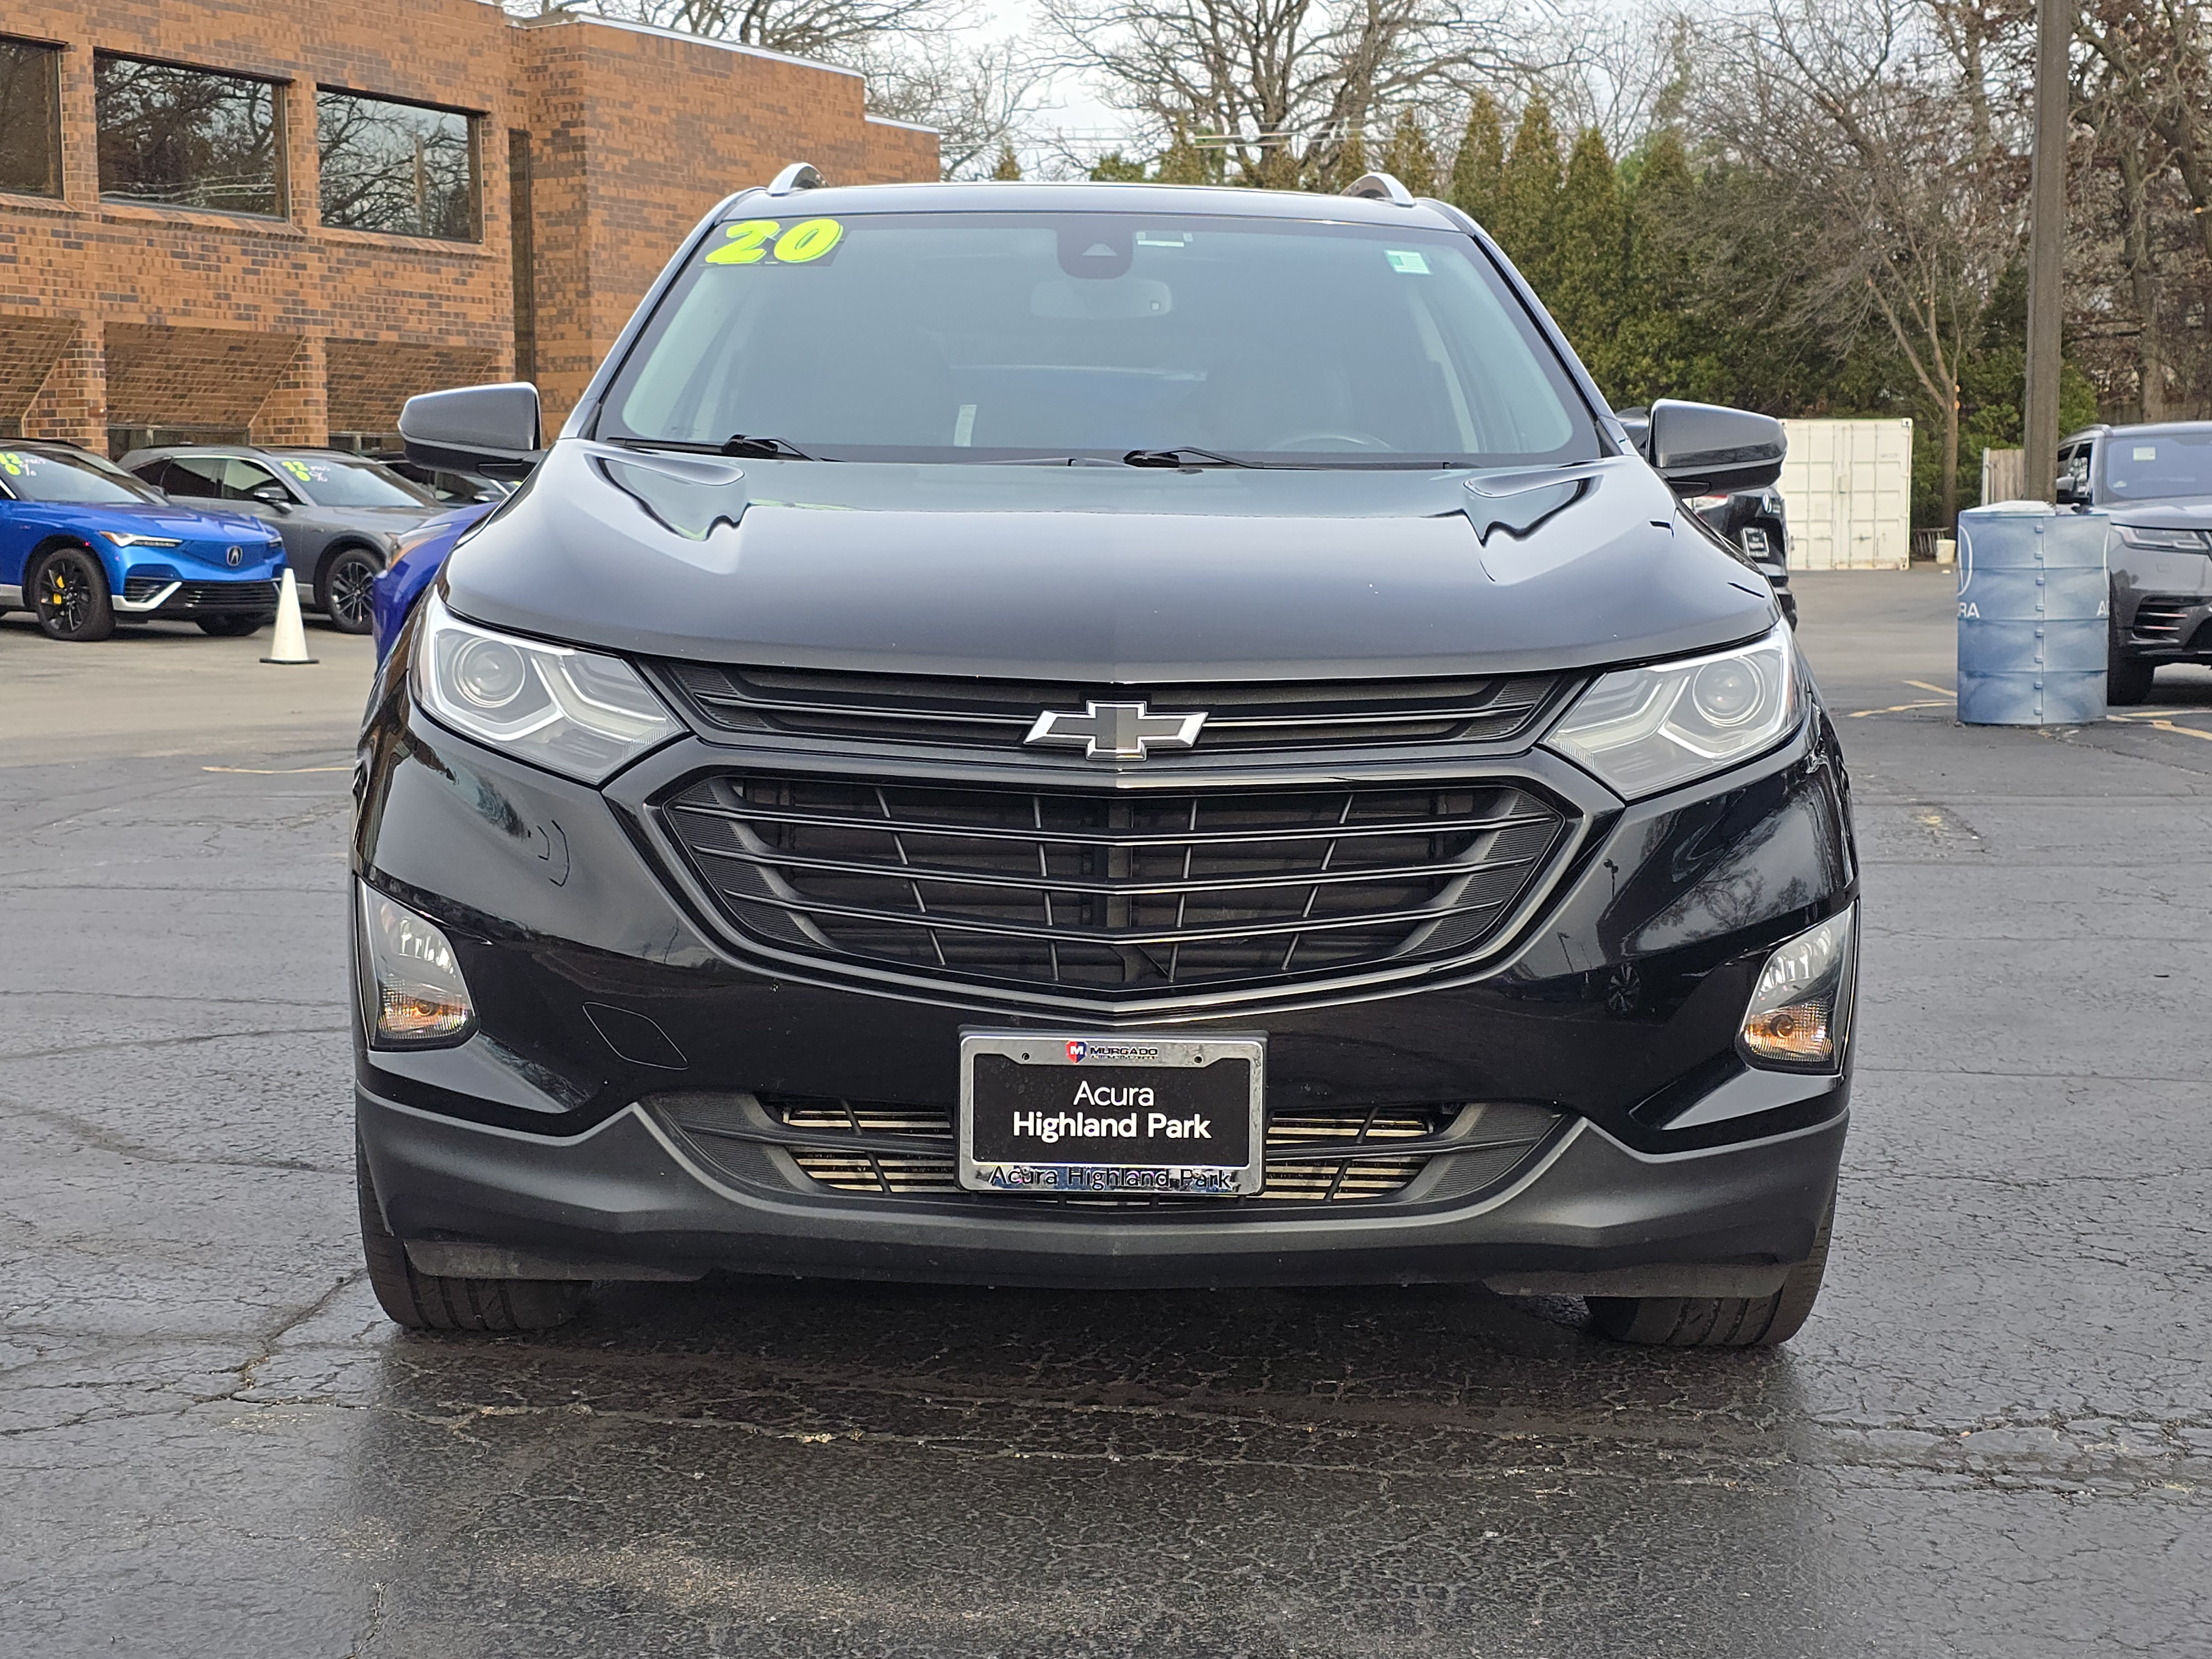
x,y
1848,488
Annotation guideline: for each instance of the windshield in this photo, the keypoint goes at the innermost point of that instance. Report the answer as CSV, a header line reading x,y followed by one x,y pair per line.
x,y
2149,466
998,336
50,474
328,481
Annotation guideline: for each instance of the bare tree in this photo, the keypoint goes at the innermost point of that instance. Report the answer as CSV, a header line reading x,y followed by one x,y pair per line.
x,y
1284,87
981,97
2158,53
832,30
1900,168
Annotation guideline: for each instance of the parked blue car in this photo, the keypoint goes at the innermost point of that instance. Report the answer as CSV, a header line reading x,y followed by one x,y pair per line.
x,y
85,545
421,555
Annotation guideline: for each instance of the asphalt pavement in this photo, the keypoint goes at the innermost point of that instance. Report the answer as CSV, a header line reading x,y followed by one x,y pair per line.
x,y
1995,1437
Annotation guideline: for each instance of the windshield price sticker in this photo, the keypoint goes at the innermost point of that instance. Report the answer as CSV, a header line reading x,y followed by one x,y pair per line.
x,y
1405,262
306,472
765,242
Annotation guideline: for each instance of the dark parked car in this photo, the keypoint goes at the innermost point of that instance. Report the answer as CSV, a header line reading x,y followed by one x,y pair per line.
x,y
448,485
339,515
2156,483
1754,522
84,545
992,749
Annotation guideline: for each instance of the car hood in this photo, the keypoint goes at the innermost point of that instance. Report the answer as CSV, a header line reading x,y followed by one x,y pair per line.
x,y
2170,513
1104,573
163,519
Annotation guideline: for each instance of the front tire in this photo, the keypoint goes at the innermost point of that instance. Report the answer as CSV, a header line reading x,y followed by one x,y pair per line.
x,y
2127,680
347,588
231,628
69,594
1720,1321
431,1302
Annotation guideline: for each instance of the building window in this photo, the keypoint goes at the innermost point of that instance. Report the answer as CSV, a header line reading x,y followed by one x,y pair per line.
x,y
406,169
30,118
187,137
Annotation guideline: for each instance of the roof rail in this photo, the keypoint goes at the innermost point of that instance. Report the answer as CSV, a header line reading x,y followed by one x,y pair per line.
x,y
1380,187
801,175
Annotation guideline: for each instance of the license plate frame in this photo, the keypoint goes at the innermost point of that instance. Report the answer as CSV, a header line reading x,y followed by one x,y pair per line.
x,y
1017,1064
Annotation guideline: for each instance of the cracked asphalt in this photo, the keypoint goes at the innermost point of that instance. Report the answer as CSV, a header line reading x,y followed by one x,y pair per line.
x,y
1994,1437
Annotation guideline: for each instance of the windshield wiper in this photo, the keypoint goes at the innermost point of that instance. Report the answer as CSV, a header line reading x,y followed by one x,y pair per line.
x,y
1175,457
765,449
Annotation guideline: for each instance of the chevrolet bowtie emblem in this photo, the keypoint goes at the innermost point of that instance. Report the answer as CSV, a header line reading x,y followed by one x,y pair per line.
x,y
1115,731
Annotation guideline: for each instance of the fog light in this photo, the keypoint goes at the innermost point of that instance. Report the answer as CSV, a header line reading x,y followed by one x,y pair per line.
x,y
417,997
1802,1002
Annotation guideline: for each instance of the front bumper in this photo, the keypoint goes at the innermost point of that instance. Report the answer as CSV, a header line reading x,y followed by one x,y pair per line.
x,y
543,1145
631,1200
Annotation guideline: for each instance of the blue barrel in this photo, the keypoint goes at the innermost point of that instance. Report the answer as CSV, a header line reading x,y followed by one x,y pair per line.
x,y
2033,626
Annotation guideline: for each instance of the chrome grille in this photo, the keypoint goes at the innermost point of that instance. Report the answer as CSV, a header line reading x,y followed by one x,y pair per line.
x,y
1497,1138
995,714
1113,891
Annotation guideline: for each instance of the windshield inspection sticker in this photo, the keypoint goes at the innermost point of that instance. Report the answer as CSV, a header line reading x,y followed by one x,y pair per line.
x,y
2146,452
765,242
1407,263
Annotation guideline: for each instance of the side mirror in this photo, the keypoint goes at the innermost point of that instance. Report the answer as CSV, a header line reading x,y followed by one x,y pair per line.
x,y
272,494
1637,423
1703,449
475,429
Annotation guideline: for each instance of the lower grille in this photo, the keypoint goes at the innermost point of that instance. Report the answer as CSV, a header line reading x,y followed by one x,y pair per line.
x,y
243,599
2159,617
1115,890
1499,1138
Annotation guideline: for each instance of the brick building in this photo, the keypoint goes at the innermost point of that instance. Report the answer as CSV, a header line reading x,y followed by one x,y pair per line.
x,y
252,219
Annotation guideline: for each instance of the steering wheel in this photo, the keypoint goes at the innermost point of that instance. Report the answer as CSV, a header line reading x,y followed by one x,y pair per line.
x,y
1333,441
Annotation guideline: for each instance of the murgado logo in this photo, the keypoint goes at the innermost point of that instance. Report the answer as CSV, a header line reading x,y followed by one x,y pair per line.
x,y
1079,1051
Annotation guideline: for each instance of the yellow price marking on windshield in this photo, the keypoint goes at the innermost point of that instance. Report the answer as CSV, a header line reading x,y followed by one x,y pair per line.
x,y
11,462
301,471
750,241
808,241
746,245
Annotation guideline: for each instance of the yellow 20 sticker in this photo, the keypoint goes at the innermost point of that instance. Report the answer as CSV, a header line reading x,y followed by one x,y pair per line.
x,y
750,241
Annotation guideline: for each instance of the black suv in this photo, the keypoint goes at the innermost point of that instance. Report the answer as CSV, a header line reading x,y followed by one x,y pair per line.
x,y
2155,482
994,749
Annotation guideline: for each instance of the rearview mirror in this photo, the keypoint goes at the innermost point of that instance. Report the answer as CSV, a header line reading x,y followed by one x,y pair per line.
x,y
1703,449
475,428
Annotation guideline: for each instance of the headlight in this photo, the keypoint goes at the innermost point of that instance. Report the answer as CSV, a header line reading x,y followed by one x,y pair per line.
x,y
131,538
1645,730
417,996
2166,541
1802,1002
573,712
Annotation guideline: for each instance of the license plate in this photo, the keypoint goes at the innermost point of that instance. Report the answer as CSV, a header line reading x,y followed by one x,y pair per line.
x,y
1060,1112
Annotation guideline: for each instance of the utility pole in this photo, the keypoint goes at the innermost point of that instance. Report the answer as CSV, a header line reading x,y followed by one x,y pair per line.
x,y
2046,245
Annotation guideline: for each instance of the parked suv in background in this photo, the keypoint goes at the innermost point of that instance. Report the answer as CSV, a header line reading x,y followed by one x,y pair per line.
x,y
340,515
84,545
2155,482
451,488
991,748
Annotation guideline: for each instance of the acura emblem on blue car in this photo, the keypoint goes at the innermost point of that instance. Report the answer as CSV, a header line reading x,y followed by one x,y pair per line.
x,y
234,557
1115,731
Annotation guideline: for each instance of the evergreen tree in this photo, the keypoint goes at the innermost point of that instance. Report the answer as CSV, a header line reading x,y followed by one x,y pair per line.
x,y
1410,158
1590,256
1183,162
1479,168
1351,161
1659,327
1009,166
1116,168
1528,195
